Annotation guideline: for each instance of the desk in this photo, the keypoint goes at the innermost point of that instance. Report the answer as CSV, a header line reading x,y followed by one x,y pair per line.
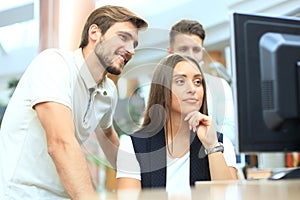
x,y
249,190
218,190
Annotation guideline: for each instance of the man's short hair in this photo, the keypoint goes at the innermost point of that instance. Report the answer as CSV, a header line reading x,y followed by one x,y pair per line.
x,y
189,27
104,17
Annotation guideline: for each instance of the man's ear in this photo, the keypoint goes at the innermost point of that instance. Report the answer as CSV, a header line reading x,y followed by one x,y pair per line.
x,y
170,51
94,32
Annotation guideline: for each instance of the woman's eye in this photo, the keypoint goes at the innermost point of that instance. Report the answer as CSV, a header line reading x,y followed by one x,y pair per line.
x,y
198,82
179,81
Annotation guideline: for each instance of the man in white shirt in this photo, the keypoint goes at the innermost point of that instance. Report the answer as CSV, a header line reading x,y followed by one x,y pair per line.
x,y
61,100
187,37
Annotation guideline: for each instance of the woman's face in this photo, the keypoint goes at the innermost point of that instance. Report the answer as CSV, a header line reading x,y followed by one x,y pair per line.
x,y
187,88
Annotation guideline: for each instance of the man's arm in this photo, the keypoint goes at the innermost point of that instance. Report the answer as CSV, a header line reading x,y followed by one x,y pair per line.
x,y
109,142
64,149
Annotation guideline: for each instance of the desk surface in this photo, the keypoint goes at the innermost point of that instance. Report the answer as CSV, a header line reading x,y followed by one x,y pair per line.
x,y
215,190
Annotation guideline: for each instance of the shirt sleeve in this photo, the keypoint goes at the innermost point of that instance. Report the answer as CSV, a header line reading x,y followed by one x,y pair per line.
x,y
127,164
229,153
226,121
49,78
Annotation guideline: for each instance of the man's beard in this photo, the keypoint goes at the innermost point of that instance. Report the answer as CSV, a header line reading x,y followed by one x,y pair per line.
x,y
112,70
106,60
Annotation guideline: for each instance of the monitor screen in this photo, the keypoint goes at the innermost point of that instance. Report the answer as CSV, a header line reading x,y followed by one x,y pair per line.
x,y
266,82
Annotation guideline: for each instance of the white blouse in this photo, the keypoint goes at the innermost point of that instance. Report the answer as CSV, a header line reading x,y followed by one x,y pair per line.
x,y
178,169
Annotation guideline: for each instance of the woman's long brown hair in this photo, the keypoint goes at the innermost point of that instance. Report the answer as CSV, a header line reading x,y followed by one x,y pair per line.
x,y
157,112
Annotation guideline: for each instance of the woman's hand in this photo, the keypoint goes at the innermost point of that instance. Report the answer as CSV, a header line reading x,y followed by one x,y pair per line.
x,y
204,127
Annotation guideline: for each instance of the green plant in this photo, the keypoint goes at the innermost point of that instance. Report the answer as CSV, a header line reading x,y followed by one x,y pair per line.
x,y
97,161
12,84
2,103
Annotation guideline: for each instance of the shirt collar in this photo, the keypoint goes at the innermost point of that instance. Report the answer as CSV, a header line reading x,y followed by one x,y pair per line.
x,y
83,70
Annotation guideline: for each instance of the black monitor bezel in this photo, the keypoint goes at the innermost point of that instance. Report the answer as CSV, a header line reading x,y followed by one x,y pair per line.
x,y
252,133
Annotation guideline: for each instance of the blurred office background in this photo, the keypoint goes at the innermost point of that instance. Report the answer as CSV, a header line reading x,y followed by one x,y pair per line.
x,y
30,26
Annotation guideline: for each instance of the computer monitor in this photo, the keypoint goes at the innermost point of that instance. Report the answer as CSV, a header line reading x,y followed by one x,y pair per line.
x,y
266,82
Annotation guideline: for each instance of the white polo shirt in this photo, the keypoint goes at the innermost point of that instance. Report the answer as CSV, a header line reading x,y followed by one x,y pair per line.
x,y
26,169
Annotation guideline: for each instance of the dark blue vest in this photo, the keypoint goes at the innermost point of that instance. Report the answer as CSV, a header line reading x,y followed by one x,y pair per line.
x,y
150,151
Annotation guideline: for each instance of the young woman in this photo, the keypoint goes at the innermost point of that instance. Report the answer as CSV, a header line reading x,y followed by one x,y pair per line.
x,y
177,144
